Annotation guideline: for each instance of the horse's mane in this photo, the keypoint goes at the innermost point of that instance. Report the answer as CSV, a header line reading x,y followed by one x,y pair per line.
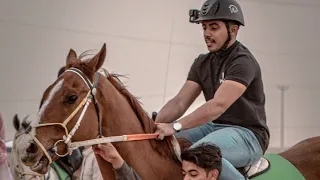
x,y
164,147
146,122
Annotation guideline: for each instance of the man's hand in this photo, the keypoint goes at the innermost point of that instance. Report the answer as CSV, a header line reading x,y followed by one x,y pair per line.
x,y
109,153
164,129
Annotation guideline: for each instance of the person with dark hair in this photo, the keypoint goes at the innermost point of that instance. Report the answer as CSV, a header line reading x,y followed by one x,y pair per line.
x,y
110,154
202,162
230,78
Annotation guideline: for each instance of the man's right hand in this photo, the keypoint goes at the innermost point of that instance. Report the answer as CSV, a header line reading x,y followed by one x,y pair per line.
x,y
109,153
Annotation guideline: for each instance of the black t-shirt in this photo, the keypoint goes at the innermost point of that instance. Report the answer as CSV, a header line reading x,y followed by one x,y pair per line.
x,y
236,64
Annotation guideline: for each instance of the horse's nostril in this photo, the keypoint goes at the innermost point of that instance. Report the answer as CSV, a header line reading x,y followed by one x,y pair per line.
x,y
32,148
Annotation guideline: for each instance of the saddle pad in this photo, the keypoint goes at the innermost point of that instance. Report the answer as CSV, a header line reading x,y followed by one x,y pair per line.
x,y
280,169
61,173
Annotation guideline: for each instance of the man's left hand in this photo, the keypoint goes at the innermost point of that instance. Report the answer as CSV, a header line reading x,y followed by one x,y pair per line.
x,y
164,129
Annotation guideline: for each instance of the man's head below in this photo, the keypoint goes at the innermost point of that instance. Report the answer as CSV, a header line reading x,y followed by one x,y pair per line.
x,y
201,163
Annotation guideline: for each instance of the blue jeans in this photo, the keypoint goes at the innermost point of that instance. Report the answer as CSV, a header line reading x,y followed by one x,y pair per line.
x,y
239,146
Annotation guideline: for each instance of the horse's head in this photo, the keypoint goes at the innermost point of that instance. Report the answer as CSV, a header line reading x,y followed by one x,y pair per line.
x,y
18,169
66,103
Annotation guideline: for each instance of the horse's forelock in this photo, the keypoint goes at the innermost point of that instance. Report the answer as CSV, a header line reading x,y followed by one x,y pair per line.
x,y
27,120
83,67
86,54
82,64
25,124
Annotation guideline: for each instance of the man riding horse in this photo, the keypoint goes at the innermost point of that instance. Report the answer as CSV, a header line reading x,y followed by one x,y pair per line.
x,y
229,76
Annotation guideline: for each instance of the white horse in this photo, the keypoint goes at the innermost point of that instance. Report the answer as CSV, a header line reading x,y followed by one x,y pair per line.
x,y
18,169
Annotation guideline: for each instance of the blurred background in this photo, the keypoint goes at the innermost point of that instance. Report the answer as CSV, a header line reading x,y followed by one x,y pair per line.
x,y
153,43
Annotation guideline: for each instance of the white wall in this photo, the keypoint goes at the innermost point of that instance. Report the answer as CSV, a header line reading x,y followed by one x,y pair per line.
x,y
153,42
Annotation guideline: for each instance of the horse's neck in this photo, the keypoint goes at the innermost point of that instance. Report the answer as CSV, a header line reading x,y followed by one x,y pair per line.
x,y
119,118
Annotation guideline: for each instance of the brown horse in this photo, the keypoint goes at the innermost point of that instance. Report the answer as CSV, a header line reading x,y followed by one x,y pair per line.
x,y
113,112
119,112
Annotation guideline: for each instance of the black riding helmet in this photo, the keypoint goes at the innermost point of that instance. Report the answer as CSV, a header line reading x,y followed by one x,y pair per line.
x,y
224,10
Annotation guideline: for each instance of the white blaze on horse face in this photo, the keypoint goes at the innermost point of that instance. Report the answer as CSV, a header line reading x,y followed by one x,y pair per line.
x,y
53,91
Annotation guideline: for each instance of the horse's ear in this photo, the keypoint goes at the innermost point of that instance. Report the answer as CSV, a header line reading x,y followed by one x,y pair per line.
x,y
16,122
71,58
97,61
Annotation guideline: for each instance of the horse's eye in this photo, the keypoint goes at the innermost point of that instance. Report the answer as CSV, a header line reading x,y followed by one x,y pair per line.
x,y
72,99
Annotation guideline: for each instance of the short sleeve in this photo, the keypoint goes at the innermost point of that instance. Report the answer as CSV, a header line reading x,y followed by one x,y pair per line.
x,y
242,69
193,72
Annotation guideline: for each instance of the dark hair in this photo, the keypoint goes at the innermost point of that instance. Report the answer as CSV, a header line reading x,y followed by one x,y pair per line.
x,y
233,23
206,156
61,71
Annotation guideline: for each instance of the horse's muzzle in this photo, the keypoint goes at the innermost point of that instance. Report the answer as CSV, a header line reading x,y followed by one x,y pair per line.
x,y
31,153
32,149
29,160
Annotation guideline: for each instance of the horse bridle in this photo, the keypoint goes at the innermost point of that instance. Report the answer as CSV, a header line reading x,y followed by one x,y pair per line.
x,y
85,102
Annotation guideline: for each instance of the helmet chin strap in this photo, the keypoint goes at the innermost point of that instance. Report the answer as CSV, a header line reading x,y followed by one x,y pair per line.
x,y
225,45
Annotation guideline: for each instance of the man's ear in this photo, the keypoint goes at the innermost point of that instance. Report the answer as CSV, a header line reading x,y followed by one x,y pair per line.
x,y
213,174
234,29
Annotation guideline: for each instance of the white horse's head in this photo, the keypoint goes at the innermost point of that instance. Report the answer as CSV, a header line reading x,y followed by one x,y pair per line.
x,y
19,170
